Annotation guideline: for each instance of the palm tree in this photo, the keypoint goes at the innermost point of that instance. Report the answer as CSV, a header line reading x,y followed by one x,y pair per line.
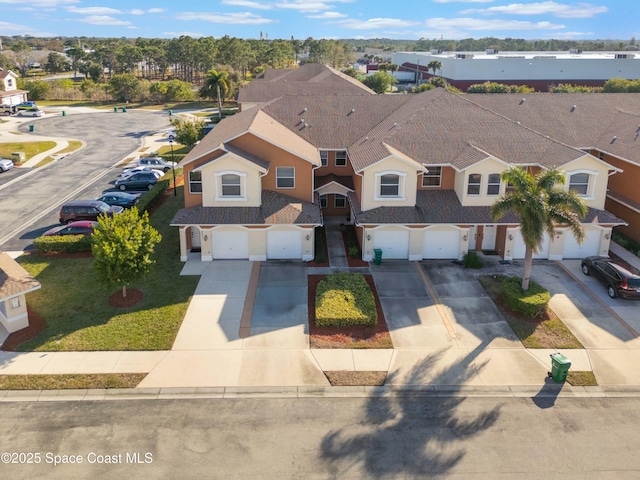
x,y
541,206
434,65
216,84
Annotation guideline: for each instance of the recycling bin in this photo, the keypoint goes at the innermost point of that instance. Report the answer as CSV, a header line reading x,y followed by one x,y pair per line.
x,y
32,128
377,256
559,367
115,109
64,113
124,109
170,112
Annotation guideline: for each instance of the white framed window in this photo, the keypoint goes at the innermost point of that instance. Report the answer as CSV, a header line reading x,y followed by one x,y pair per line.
x,y
473,184
285,177
195,182
341,158
323,201
580,183
339,201
433,178
15,302
493,184
324,158
390,185
231,185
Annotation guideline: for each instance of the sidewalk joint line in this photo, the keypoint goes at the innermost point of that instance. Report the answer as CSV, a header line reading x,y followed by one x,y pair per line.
x,y
436,301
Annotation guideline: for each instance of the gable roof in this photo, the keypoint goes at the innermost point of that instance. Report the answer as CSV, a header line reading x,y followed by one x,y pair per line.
x,y
14,280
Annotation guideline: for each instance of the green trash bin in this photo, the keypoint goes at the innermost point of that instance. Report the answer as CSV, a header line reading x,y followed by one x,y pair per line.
x,y
124,109
170,112
115,109
32,128
64,114
377,256
559,367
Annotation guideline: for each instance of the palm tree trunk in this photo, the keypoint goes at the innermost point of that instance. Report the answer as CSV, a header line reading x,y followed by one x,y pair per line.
x,y
124,291
219,102
528,259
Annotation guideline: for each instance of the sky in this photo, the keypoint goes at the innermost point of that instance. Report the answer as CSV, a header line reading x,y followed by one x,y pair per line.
x,y
333,19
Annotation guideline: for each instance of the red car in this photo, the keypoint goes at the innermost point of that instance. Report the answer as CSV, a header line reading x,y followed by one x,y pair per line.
x,y
620,281
83,227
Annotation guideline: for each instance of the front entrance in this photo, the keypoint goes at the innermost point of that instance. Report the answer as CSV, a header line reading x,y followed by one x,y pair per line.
x,y
195,239
489,237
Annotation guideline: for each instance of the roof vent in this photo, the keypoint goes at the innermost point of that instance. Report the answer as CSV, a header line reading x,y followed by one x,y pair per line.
x,y
522,100
614,139
574,107
304,109
353,110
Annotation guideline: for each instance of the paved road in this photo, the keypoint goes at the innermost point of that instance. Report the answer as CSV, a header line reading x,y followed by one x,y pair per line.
x,y
402,437
31,204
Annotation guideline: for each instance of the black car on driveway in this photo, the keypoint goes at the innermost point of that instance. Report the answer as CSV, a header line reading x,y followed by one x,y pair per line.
x,y
120,199
620,281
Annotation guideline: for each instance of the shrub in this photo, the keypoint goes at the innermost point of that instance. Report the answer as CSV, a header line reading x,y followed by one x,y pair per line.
x,y
63,244
352,242
345,299
531,303
626,242
150,198
472,260
320,256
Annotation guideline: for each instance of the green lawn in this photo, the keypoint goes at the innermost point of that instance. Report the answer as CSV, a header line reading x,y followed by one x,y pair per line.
x,y
76,309
29,148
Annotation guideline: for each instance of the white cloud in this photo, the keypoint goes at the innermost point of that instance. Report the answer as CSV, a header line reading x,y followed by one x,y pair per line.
x,y
136,12
156,10
579,10
13,27
462,1
309,5
328,15
94,10
247,4
245,18
375,23
103,20
493,24
40,3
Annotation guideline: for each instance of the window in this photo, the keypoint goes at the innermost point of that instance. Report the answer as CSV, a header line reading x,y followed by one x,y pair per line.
x,y
9,82
230,185
579,183
433,177
341,158
339,201
324,158
15,302
195,182
285,177
473,186
389,185
493,184
323,201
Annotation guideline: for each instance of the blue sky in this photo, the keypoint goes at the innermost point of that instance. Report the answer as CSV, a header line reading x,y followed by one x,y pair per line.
x,y
407,19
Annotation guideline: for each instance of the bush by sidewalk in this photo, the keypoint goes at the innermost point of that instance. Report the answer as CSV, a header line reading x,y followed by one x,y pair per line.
x,y
531,303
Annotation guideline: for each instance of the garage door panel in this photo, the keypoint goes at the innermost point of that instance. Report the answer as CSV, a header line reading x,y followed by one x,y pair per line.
x,y
590,246
393,243
284,244
441,244
230,244
519,247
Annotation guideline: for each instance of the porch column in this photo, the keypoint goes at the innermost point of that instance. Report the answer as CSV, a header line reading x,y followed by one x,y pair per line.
x,y
182,232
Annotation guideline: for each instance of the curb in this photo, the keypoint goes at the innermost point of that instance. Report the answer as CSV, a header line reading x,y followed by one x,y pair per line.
x,y
417,391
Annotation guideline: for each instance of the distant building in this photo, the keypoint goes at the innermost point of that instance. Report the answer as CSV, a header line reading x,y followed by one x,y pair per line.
x,y
15,283
9,93
535,69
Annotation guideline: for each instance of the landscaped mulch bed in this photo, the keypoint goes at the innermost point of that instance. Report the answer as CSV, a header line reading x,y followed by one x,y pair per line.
x,y
353,262
359,336
36,325
346,378
134,296
313,263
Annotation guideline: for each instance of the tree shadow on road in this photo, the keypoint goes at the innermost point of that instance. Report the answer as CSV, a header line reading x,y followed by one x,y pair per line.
x,y
410,433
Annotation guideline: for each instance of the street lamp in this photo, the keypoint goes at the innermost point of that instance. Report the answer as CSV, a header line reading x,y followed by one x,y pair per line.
x,y
173,168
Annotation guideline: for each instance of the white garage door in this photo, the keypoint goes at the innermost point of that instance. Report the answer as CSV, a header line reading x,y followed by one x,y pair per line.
x,y
284,244
228,244
441,244
519,247
590,246
393,243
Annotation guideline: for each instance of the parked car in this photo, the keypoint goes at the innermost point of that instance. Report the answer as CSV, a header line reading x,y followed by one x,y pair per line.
x,y
620,281
5,164
86,210
156,163
82,227
120,199
26,105
31,113
137,181
127,172
9,109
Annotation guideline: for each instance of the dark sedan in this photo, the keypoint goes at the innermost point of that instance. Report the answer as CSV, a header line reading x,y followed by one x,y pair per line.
x,y
619,280
120,199
82,227
137,181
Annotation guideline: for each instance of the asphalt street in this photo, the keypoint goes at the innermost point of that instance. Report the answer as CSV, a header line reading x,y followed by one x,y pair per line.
x,y
343,438
30,205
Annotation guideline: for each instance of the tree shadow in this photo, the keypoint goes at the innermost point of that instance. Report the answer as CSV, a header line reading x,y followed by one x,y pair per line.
x,y
410,434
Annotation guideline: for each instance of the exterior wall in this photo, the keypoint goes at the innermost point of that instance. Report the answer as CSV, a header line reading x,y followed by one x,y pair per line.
x,y
483,168
14,319
370,185
250,181
195,199
600,177
447,180
630,216
346,171
332,211
279,158
625,183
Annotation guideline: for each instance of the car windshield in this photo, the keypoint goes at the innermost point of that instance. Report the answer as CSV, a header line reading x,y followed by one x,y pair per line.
x,y
103,207
634,282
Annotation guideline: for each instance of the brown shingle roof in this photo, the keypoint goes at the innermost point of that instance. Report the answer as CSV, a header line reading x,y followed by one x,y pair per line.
x,y
14,280
276,209
444,207
342,180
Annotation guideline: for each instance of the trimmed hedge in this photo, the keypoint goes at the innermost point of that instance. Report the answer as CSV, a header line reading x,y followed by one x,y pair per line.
x,y
149,199
345,299
64,243
320,256
531,303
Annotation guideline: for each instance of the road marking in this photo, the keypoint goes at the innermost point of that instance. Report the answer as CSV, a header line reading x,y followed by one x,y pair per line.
x,y
436,301
599,300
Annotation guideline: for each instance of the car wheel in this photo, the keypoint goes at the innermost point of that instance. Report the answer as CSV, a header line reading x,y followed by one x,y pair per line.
x,y
123,187
585,269
612,291
150,186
